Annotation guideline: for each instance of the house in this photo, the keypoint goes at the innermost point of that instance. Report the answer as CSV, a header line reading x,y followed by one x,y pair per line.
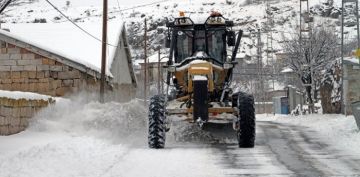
x,y
154,69
281,57
153,66
58,60
351,86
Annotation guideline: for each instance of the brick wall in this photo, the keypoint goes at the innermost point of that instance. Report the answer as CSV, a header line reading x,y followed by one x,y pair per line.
x,y
23,70
16,113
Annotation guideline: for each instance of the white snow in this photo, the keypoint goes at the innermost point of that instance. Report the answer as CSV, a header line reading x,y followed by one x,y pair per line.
x,y
200,68
275,85
85,138
287,70
352,60
68,41
181,68
154,59
200,78
339,131
24,95
82,138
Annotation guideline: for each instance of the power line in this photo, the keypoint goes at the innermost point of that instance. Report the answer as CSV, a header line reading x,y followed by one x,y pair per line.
x,y
120,11
118,4
4,5
82,29
91,35
143,5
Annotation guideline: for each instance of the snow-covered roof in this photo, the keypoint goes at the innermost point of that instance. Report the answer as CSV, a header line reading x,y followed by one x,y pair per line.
x,y
287,70
155,58
275,85
351,60
67,41
241,55
23,95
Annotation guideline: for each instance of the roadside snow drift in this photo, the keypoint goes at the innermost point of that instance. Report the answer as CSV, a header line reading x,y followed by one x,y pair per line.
x,y
80,137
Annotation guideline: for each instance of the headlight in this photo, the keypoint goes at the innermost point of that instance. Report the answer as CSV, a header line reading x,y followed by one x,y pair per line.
x,y
228,65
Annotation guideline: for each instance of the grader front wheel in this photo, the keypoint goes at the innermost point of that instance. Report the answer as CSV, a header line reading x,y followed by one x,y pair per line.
x,y
157,124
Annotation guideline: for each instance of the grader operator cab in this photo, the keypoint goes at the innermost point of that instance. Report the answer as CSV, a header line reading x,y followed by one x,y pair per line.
x,y
199,71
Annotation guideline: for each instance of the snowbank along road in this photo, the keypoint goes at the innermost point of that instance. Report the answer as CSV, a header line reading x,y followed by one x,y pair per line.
x,y
76,138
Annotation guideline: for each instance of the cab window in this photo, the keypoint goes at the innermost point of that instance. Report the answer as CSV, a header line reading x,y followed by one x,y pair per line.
x,y
183,45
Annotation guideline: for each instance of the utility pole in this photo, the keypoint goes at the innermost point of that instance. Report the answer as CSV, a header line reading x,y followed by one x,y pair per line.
x,y
145,63
305,43
103,52
343,110
305,21
343,99
269,47
268,28
260,68
159,73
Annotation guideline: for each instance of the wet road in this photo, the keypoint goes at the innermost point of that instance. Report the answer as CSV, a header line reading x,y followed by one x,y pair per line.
x,y
285,150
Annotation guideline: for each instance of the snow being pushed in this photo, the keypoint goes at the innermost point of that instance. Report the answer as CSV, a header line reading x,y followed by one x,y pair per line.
x,y
82,116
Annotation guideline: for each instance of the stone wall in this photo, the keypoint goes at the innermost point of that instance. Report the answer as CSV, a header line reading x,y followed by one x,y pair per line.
x,y
351,84
263,107
23,70
15,113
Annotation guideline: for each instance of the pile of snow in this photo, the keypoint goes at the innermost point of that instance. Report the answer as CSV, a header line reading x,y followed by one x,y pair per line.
x,y
23,95
80,137
83,117
339,131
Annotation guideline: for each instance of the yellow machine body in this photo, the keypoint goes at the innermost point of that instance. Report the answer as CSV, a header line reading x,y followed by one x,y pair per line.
x,y
214,74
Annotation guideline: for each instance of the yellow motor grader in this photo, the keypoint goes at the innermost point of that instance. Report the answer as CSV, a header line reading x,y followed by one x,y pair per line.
x,y
200,71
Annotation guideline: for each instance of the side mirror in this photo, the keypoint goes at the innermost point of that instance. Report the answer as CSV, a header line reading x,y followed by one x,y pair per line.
x,y
231,38
167,42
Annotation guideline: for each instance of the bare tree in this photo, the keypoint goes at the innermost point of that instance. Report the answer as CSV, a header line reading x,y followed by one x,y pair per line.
x,y
330,88
308,58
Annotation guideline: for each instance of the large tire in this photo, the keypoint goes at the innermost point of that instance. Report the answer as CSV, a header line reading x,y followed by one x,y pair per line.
x,y
200,100
157,118
246,120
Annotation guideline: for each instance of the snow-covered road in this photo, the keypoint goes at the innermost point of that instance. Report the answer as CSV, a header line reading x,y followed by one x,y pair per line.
x,y
95,140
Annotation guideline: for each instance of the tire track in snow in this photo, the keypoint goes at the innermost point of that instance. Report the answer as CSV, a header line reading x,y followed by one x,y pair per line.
x,y
258,161
298,148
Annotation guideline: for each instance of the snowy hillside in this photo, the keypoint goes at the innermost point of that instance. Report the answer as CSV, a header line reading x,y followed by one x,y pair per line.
x,y
247,16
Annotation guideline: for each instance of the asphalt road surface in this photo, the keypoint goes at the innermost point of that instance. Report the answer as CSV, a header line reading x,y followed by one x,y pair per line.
x,y
285,150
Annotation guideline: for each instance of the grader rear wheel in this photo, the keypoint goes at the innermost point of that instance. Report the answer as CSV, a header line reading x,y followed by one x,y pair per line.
x,y
246,120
